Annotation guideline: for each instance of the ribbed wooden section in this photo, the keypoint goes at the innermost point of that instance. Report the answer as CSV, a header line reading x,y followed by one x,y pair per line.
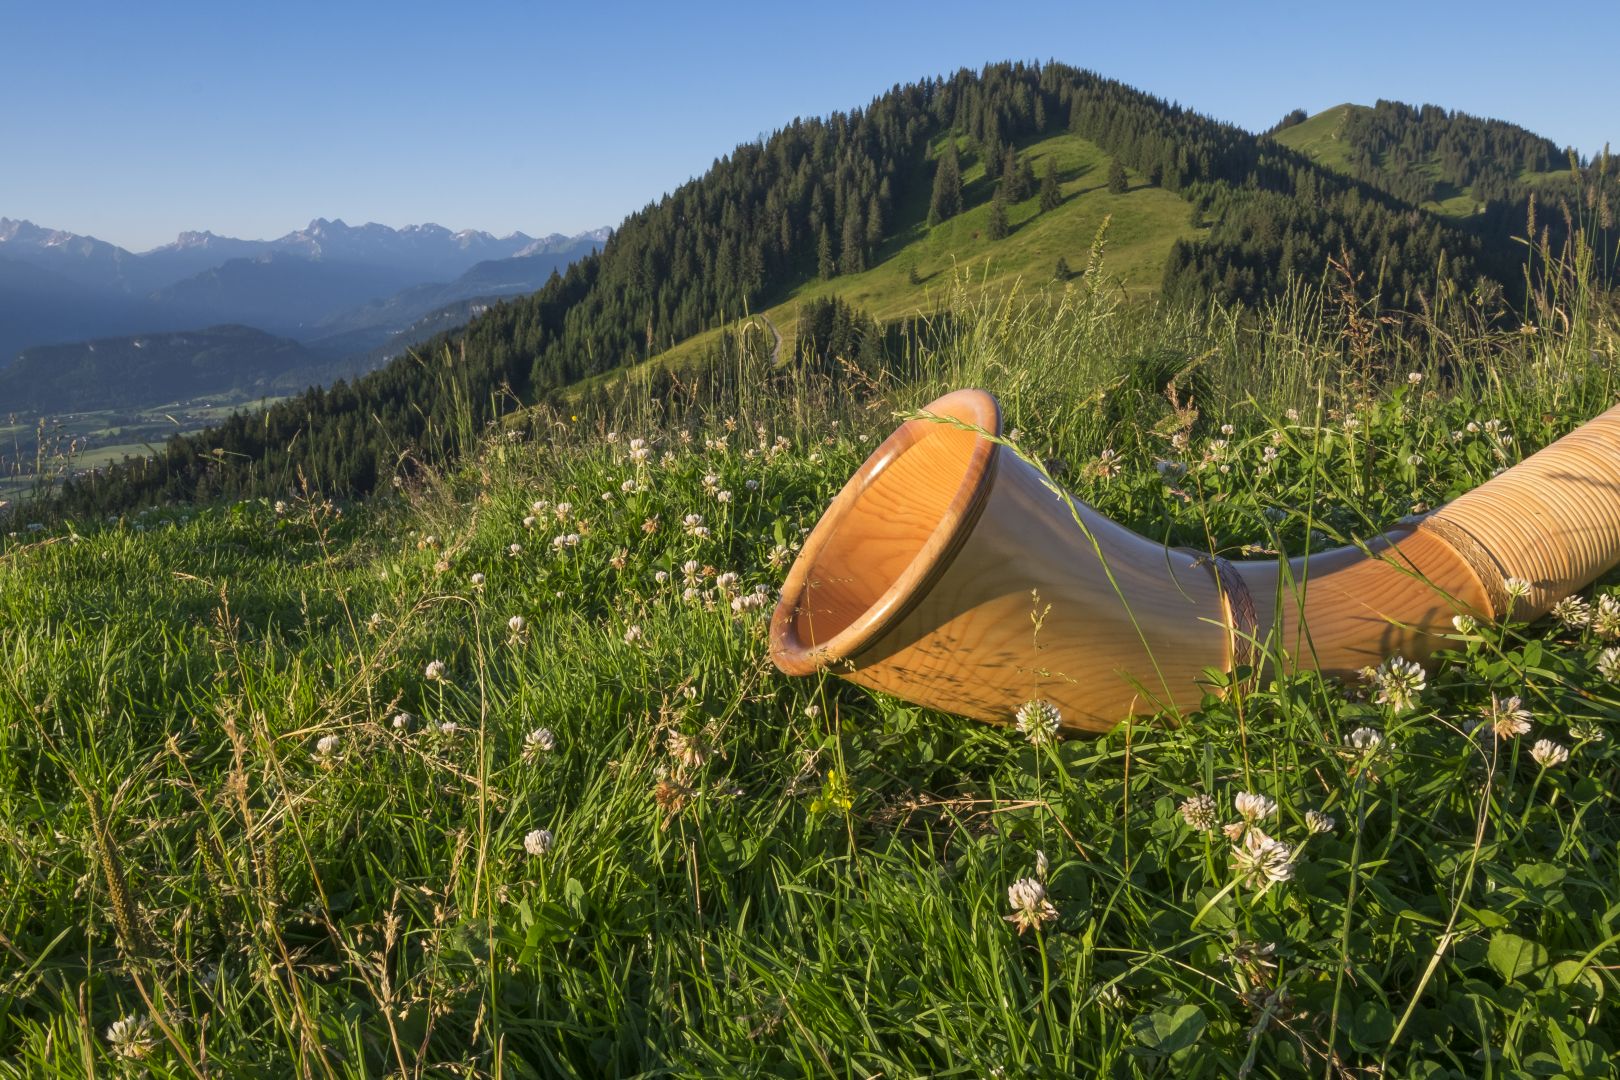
x,y
1553,520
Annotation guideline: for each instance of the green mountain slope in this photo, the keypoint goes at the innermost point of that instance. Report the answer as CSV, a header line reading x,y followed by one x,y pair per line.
x,y
1450,163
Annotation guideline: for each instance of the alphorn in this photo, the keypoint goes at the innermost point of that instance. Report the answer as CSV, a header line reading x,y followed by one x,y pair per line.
x,y
952,573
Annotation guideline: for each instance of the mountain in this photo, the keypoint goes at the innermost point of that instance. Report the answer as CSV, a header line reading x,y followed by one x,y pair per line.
x,y
82,287
278,291
843,202
378,320
150,368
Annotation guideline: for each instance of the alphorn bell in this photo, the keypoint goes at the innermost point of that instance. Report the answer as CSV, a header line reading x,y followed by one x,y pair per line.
x,y
951,573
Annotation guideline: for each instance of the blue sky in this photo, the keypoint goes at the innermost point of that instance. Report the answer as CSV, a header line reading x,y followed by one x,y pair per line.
x,y
134,121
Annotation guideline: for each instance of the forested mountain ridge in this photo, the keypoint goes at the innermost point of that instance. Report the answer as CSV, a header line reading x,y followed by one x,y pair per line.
x,y
819,198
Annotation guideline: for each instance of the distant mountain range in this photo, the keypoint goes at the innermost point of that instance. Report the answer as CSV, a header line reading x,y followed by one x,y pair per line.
x,y
355,286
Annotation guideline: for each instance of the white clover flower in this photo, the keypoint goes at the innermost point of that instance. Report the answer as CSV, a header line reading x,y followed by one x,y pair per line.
x,y
1608,664
449,727
1516,588
402,721
1031,908
326,745
722,496
530,521
690,693
1472,427
628,487
1042,865
1199,811
1414,377
1414,459
1292,415
751,485
563,510
1038,721
1228,429
375,622
1399,682
131,1037
1587,732
1318,822
1261,861
812,711
1366,740
434,670
280,508
1252,807
1549,754
1465,624
726,581
1269,454
632,634
711,482
690,569
514,550
517,624
689,594
540,506
1606,618
1506,717
607,496
539,741
661,576
1573,612
478,581
537,842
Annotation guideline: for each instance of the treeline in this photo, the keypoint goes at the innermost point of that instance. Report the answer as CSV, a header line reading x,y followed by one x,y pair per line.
x,y
820,196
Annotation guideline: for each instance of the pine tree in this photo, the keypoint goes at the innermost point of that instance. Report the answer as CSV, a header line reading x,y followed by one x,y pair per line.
x,y
1010,176
852,256
874,224
824,256
1062,272
1117,182
1051,193
1026,178
912,277
999,226
946,201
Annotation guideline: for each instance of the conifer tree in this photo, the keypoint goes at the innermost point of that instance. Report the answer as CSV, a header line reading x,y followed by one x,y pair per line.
x,y
1051,194
1117,182
852,256
946,200
874,224
999,226
1062,271
825,266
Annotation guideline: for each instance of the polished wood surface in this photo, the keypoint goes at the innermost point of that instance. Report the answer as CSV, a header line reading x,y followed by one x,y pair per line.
x,y
950,573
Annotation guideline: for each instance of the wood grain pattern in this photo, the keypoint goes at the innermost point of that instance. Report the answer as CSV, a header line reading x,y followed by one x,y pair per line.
x,y
948,572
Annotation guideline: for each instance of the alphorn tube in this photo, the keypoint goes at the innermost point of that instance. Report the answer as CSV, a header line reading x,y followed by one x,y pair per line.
x,y
949,573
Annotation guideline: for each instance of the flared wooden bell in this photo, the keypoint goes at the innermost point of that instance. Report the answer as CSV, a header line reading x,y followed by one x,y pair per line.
x,y
951,573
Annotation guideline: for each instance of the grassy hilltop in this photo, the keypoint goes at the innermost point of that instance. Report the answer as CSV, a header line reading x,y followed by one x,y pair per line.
x,y
491,776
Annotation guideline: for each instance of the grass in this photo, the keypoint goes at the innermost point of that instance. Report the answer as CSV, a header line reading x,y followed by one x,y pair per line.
x,y
220,836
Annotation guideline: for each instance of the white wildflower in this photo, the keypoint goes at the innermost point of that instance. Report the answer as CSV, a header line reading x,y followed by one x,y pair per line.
x,y
1365,740
478,581
1465,624
131,1037
537,842
1038,721
1573,611
1261,861
1549,754
1199,811
632,634
514,550
539,741
1318,822
326,746
1506,717
1031,908
434,670
1252,807
1606,618
1608,664
402,721
1516,588
1399,682
1582,731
